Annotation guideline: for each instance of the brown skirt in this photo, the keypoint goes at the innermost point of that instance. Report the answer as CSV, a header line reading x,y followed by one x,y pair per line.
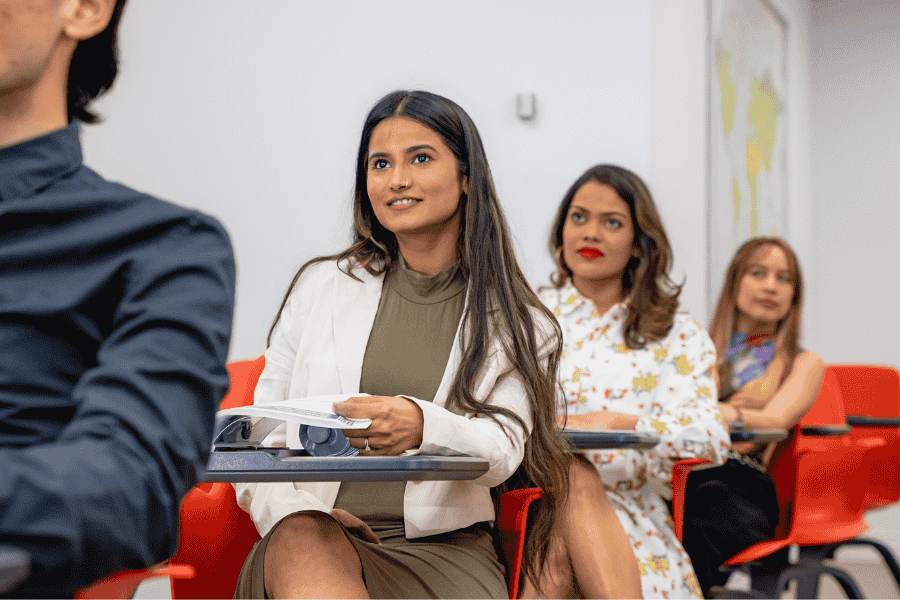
x,y
457,564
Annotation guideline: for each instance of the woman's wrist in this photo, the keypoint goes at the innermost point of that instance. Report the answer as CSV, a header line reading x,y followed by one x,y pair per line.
x,y
623,421
735,418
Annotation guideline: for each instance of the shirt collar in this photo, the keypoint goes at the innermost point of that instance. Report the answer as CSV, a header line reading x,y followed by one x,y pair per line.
x,y
29,166
569,301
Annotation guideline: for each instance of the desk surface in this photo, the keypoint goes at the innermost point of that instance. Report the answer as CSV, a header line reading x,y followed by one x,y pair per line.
x,y
867,421
14,567
277,464
746,434
826,430
598,439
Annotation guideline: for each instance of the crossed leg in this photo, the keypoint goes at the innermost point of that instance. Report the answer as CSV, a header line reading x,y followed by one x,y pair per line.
x,y
309,556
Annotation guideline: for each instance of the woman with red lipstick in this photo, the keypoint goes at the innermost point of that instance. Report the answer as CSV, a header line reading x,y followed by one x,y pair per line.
x,y
630,360
427,312
765,381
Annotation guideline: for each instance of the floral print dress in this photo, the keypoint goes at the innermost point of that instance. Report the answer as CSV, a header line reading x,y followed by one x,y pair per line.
x,y
670,386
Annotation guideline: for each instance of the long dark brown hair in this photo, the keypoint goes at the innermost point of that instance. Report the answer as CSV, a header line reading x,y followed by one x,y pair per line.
x,y
787,331
653,296
499,297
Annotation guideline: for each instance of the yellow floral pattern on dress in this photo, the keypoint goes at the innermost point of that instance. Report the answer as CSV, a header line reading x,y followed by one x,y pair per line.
x,y
658,564
669,385
645,382
691,583
683,365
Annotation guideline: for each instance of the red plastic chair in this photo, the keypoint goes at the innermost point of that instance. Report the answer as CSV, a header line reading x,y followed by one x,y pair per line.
x,y
820,501
873,391
680,472
244,375
512,524
217,535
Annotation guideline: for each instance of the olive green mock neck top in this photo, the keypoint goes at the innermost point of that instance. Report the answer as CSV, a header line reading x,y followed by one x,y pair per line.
x,y
407,353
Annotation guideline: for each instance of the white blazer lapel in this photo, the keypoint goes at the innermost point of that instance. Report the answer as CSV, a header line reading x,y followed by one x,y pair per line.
x,y
355,306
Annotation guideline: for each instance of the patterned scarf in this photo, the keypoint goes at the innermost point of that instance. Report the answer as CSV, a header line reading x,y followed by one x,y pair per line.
x,y
745,359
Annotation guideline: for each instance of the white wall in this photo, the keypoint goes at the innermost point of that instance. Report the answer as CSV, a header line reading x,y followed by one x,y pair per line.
x,y
254,115
856,62
855,151
678,140
801,201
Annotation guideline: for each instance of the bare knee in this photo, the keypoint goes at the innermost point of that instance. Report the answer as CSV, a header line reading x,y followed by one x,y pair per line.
x,y
307,538
315,529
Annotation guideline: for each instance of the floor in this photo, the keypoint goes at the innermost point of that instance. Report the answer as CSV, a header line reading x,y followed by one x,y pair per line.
x,y
154,588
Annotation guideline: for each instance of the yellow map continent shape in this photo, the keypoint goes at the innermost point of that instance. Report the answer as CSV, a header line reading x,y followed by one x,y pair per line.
x,y
762,117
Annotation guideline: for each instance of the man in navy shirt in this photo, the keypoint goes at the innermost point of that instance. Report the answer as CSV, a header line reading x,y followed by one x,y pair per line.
x,y
115,318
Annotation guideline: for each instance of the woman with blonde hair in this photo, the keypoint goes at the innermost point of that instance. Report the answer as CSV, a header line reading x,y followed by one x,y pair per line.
x,y
765,381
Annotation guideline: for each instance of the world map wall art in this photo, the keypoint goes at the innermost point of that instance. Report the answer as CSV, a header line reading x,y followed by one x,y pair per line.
x,y
748,107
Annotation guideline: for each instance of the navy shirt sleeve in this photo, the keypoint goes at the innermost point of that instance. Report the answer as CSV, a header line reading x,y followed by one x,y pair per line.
x,y
104,495
114,332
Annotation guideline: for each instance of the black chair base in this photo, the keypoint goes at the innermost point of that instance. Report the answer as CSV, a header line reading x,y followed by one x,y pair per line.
x,y
886,555
771,577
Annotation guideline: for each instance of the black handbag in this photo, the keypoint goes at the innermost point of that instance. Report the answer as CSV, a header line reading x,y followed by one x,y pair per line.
x,y
727,509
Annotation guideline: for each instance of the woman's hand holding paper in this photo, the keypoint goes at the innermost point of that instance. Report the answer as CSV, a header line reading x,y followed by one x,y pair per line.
x,y
397,424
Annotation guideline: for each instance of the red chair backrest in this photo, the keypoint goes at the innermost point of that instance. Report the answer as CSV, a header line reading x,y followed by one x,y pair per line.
x,y
828,409
512,522
874,391
784,465
216,535
821,492
871,390
244,375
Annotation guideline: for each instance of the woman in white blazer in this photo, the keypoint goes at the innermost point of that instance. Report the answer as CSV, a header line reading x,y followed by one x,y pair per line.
x,y
428,297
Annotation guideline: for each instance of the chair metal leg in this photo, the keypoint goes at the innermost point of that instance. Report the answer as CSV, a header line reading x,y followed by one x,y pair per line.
x,y
809,572
808,581
765,582
886,555
764,573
